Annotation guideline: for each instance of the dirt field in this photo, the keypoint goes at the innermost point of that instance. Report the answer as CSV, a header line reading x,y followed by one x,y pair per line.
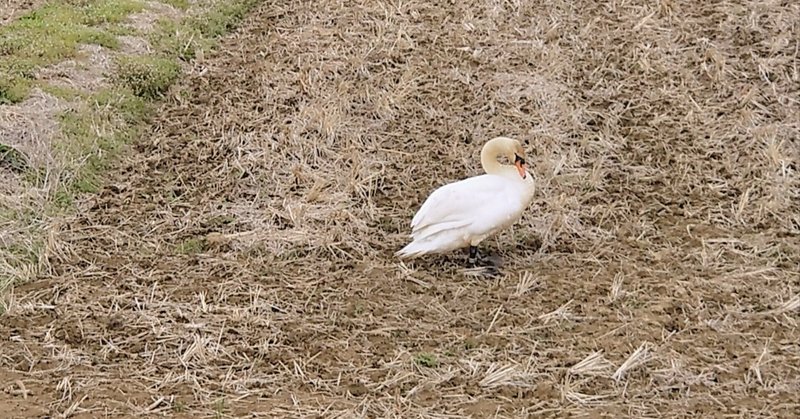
x,y
239,260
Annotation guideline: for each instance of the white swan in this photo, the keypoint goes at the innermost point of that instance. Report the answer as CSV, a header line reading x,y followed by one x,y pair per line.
x,y
464,213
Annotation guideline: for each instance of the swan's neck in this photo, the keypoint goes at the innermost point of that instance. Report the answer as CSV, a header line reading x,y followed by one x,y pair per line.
x,y
489,156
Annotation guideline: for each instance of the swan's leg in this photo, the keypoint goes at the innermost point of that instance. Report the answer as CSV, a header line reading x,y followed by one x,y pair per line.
x,y
491,264
472,259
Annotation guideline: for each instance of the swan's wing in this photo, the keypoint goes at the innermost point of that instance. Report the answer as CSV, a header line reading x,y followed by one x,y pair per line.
x,y
482,203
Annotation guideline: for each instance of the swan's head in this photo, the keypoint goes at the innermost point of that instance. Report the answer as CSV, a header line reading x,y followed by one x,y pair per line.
x,y
513,150
504,147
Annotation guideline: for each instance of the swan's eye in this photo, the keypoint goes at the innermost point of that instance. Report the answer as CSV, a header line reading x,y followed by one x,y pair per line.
x,y
518,159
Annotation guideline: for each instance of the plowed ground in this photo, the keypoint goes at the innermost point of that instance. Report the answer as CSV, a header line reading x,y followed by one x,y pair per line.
x,y
239,260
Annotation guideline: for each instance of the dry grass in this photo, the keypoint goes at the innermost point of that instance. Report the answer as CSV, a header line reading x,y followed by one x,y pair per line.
x,y
239,262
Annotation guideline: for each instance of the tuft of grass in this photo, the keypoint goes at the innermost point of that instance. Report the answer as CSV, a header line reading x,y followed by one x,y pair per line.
x,y
13,89
191,246
426,360
221,220
470,343
219,408
148,77
26,254
18,255
52,33
178,407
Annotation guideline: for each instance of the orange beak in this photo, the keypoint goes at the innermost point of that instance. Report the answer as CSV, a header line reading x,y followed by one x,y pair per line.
x,y
521,168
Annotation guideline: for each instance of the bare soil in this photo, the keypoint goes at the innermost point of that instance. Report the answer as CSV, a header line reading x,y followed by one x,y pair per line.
x,y
239,260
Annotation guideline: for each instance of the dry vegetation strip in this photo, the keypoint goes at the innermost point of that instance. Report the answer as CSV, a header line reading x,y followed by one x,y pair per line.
x,y
238,261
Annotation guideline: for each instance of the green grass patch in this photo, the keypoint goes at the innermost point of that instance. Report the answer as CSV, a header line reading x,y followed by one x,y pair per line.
x,y
191,246
51,33
23,254
426,360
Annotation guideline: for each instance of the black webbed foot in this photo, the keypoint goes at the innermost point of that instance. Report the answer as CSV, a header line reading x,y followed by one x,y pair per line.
x,y
487,266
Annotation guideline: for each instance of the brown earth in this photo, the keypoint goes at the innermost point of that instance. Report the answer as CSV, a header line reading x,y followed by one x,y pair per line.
x,y
239,260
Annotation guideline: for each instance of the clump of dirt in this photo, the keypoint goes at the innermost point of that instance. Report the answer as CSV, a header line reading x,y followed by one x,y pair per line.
x,y
240,260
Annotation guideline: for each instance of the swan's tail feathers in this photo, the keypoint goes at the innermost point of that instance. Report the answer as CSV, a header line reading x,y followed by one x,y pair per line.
x,y
411,251
433,238
416,249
